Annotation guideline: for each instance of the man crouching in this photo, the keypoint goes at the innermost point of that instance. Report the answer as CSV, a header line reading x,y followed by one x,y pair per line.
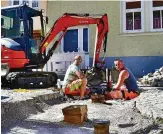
x,y
75,82
126,87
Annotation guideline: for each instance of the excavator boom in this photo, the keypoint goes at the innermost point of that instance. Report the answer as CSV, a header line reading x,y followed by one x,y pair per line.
x,y
69,20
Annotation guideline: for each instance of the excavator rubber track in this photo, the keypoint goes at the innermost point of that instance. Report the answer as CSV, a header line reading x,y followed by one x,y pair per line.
x,y
31,79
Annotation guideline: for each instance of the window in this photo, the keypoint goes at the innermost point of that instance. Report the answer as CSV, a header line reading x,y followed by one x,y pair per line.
x,y
6,22
71,41
85,39
35,3
11,24
15,2
157,15
31,3
75,39
25,1
133,16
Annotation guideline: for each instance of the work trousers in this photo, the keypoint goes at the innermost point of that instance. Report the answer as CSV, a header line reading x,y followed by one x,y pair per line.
x,y
122,93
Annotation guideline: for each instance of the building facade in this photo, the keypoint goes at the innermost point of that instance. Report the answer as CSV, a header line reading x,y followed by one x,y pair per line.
x,y
135,31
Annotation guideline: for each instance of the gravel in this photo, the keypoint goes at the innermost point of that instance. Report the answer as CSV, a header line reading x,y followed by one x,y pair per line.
x,y
137,116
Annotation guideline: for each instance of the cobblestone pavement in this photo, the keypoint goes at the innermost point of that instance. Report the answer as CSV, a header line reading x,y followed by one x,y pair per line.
x,y
146,117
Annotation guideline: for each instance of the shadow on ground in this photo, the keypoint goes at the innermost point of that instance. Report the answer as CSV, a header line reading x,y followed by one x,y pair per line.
x,y
44,127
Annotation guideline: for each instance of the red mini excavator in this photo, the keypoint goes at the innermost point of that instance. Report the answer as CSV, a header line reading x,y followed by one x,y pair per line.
x,y
21,51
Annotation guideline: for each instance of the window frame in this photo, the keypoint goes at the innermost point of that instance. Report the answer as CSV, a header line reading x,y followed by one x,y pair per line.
x,y
11,3
151,17
141,10
38,4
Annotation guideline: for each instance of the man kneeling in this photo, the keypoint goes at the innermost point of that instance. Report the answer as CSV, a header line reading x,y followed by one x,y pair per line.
x,y
126,87
75,81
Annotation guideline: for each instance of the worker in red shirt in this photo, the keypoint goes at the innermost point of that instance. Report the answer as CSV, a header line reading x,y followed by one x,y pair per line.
x,y
126,87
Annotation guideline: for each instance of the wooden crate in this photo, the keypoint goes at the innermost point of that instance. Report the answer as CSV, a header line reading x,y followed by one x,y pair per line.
x,y
75,114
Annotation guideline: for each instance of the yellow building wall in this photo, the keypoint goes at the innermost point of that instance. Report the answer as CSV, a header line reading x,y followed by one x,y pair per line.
x,y
119,44
4,3
140,44
43,6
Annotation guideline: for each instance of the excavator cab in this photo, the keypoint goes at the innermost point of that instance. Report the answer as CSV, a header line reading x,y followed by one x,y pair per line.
x,y
17,30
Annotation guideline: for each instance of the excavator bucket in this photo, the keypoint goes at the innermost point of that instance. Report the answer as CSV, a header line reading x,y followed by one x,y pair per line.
x,y
4,69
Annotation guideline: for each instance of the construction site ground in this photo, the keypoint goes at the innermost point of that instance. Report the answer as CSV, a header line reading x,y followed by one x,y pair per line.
x,y
39,111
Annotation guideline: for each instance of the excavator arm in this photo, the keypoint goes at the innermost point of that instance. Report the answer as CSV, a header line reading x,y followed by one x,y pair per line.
x,y
69,20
